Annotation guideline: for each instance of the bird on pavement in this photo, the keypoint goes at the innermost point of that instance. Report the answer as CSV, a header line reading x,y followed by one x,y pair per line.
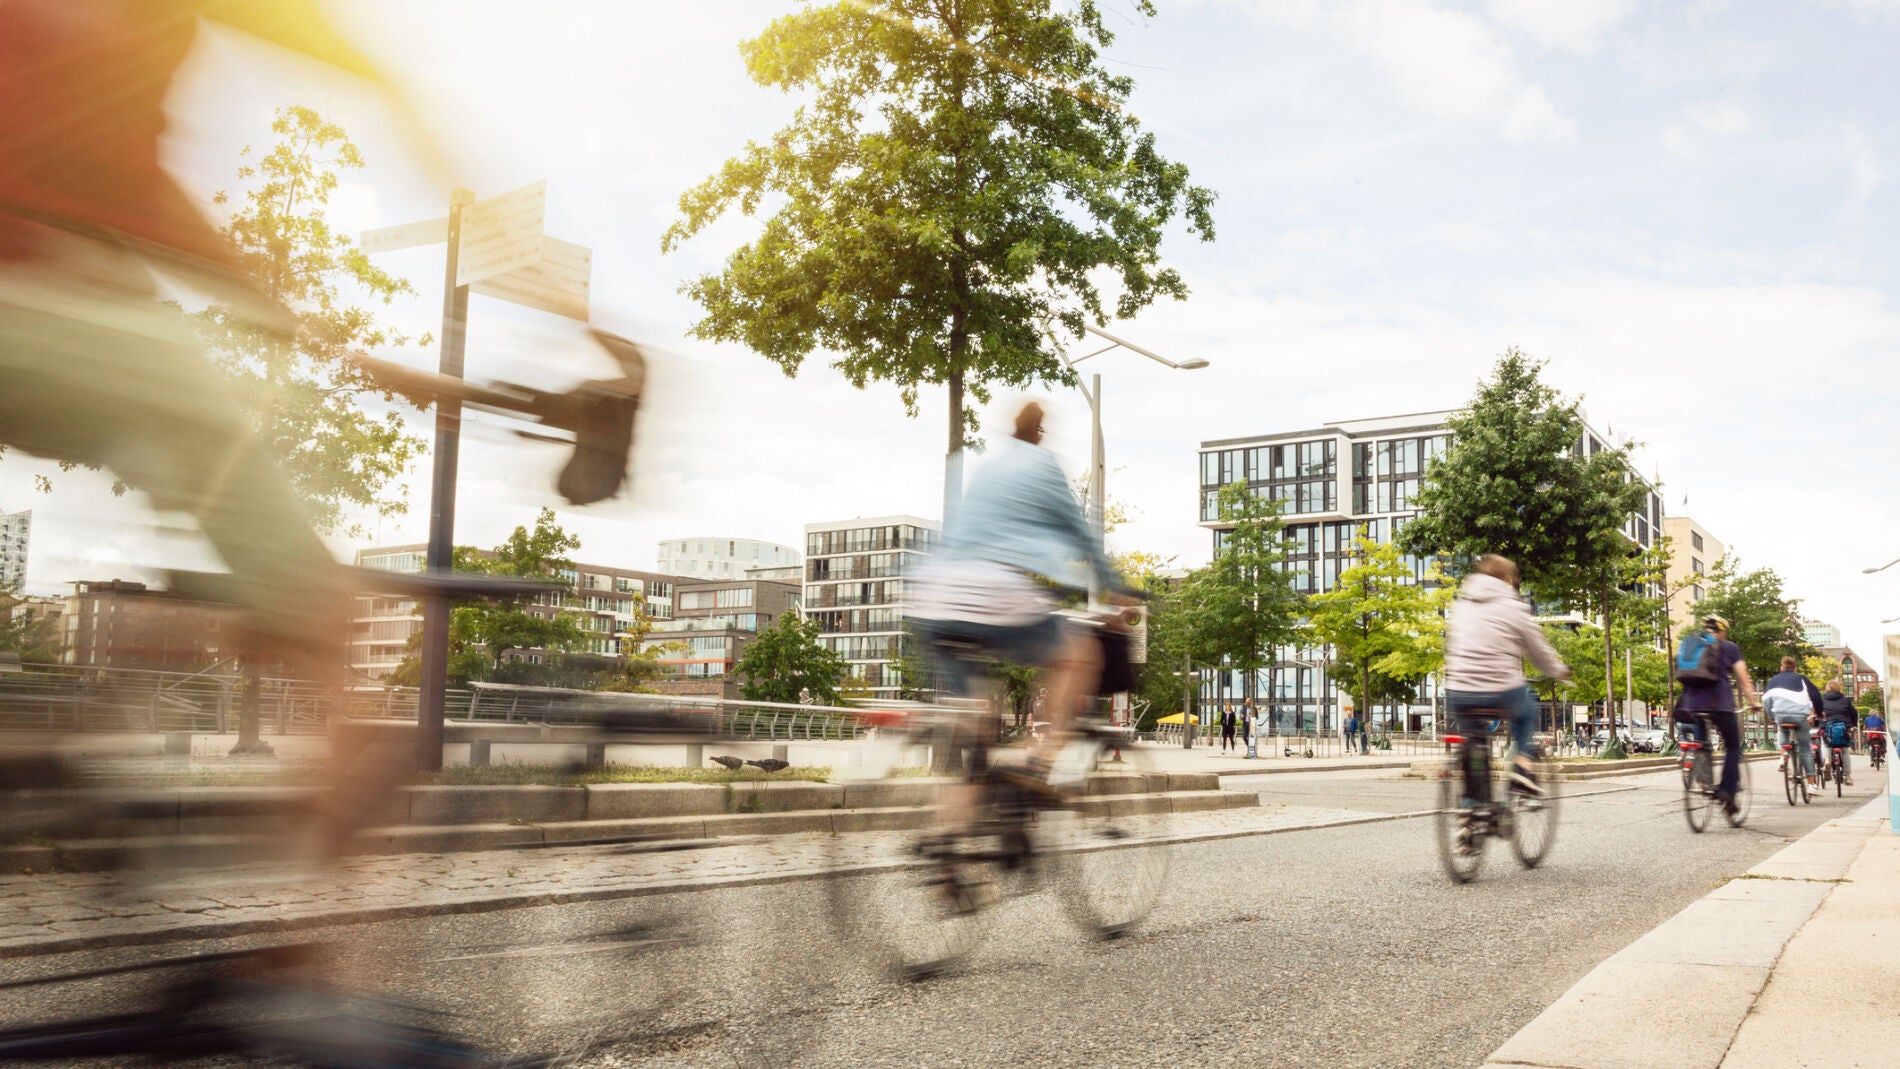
x,y
770,764
732,763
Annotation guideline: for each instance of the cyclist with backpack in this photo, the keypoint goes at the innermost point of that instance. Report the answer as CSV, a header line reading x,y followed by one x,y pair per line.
x,y
1793,701
1839,718
1706,664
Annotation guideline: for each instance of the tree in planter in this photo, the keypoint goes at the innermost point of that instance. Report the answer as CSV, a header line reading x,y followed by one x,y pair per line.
x,y
961,178
1763,620
788,663
1240,608
1515,480
1387,630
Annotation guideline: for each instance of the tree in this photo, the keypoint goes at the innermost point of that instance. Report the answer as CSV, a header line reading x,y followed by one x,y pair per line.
x,y
961,179
35,638
302,394
1871,701
1242,607
787,663
1386,629
1763,620
1516,480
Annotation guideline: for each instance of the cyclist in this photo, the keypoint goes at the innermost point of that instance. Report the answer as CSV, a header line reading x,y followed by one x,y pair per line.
x,y
1793,701
988,588
1838,708
1487,637
1715,699
1875,730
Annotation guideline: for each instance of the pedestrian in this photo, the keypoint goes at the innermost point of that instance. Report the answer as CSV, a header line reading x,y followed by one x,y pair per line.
x,y
1246,725
1227,722
1352,730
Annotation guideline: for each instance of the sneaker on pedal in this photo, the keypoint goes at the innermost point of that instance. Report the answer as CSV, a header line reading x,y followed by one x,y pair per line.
x,y
1463,839
1728,804
1524,782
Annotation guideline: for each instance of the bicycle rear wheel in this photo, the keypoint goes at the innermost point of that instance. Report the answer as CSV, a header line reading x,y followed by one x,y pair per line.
x,y
1534,820
1462,860
1108,844
1697,795
1839,776
1790,774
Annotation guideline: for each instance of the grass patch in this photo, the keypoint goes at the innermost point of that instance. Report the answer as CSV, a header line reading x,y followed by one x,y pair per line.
x,y
565,776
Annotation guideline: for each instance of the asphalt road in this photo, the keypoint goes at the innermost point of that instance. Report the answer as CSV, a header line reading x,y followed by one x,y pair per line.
x,y
1332,947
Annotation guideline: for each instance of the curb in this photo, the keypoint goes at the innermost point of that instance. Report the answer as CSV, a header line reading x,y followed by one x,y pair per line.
x,y
1700,972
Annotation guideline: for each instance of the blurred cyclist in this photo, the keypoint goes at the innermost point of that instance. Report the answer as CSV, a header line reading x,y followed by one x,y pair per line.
x,y
986,594
1715,699
1875,729
1487,637
1792,700
1838,709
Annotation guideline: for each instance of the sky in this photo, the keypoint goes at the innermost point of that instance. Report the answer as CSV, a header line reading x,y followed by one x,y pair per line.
x,y
1687,208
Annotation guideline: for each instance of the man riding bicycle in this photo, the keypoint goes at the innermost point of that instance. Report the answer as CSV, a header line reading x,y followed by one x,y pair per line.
x,y
986,594
1489,634
1714,699
1793,701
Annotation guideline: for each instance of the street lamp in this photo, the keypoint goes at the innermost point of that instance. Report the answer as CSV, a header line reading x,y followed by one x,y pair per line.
x,y
1882,568
1092,393
1890,619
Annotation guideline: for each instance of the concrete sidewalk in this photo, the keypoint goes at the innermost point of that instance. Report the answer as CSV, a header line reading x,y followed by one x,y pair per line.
x,y
1794,963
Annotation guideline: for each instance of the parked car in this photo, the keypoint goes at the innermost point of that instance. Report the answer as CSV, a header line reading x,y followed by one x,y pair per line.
x,y
1650,741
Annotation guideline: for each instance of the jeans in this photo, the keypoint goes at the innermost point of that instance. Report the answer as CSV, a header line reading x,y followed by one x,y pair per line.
x,y
1797,723
1729,727
1365,741
1516,703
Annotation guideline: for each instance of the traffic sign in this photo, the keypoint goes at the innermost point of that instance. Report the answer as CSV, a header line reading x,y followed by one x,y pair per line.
x,y
501,234
558,282
406,236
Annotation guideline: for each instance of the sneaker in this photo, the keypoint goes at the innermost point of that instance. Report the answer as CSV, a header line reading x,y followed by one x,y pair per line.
x,y
1727,801
1524,782
1847,781
1461,840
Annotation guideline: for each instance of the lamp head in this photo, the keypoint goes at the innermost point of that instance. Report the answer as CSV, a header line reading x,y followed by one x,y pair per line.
x,y
1192,365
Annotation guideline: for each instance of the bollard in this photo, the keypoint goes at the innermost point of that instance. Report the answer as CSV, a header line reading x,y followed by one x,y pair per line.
x,y
783,753
478,753
178,744
695,755
596,755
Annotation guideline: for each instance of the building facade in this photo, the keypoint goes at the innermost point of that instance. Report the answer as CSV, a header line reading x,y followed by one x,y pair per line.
x,y
723,558
1332,481
1857,673
1820,634
854,588
713,622
610,601
16,534
120,624
1693,552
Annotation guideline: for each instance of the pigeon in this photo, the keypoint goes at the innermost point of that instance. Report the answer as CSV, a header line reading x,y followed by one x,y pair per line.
x,y
732,763
770,764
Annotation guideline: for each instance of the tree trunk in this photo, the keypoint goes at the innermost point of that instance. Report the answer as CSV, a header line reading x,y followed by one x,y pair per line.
x,y
1609,673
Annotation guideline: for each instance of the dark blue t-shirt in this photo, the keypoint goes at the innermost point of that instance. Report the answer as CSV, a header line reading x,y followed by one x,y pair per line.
x,y
1715,695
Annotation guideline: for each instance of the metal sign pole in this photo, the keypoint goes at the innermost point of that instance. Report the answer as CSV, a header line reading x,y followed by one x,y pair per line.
x,y
448,440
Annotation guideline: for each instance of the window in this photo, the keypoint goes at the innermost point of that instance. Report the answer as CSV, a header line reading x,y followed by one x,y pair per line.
x,y
1695,564
1695,540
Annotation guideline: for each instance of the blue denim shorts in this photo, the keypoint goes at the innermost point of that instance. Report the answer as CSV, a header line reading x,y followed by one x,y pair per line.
x,y
960,651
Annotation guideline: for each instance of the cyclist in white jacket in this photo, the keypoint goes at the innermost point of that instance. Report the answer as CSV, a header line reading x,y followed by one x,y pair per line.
x,y
1487,637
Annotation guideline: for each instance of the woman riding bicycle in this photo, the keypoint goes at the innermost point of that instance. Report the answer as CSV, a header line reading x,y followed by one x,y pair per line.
x,y
1487,637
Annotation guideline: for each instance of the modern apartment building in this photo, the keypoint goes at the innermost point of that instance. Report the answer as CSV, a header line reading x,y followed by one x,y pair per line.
x,y
609,600
723,558
1819,633
16,531
854,588
713,622
120,624
1693,553
1333,480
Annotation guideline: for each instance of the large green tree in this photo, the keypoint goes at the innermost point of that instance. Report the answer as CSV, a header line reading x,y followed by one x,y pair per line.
x,y
1763,620
1386,629
35,638
960,181
787,663
1239,609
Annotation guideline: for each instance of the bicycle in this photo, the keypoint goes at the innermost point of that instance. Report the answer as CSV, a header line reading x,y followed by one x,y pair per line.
x,y
1821,769
1876,749
1793,781
1699,778
1096,835
1468,813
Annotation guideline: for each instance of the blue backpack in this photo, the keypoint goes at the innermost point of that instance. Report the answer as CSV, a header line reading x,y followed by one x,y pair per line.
x,y
1837,733
1695,658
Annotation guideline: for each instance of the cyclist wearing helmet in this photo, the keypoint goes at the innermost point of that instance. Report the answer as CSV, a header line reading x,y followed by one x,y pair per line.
x,y
1715,699
1487,637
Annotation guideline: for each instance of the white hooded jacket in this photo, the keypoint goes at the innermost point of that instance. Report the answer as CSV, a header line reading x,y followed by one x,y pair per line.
x,y
1487,636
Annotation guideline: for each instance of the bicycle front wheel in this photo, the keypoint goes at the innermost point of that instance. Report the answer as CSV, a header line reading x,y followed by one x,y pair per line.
x,y
1108,843
1534,820
1696,795
1460,841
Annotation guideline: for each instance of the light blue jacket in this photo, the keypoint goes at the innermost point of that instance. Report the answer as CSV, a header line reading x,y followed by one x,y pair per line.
x,y
1019,511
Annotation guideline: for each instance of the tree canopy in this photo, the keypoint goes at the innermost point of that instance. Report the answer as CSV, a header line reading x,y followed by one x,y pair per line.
x,y
1387,630
787,663
1763,620
1242,606
1514,480
959,182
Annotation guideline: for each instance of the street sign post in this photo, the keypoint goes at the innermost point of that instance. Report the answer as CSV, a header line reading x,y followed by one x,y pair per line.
x,y
558,282
501,234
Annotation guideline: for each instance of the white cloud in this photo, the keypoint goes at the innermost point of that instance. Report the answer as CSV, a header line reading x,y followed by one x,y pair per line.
x,y
1534,118
1573,25
1862,165
1700,125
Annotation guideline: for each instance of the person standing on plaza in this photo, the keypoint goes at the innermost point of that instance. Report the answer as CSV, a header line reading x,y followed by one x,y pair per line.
x,y
1246,725
1352,730
1227,721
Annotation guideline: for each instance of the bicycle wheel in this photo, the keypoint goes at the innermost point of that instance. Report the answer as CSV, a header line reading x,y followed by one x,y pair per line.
x,y
1534,820
907,899
1839,775
1696,793
1790,774
1107,846
1461,860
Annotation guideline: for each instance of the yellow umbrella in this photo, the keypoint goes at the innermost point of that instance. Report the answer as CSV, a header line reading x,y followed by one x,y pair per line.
x,y
1175,719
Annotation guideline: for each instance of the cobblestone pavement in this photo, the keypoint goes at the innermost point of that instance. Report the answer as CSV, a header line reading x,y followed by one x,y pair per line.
x,y
52,912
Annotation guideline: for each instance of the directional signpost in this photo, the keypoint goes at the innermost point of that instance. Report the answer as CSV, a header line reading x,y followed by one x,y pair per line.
x,y
495,248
